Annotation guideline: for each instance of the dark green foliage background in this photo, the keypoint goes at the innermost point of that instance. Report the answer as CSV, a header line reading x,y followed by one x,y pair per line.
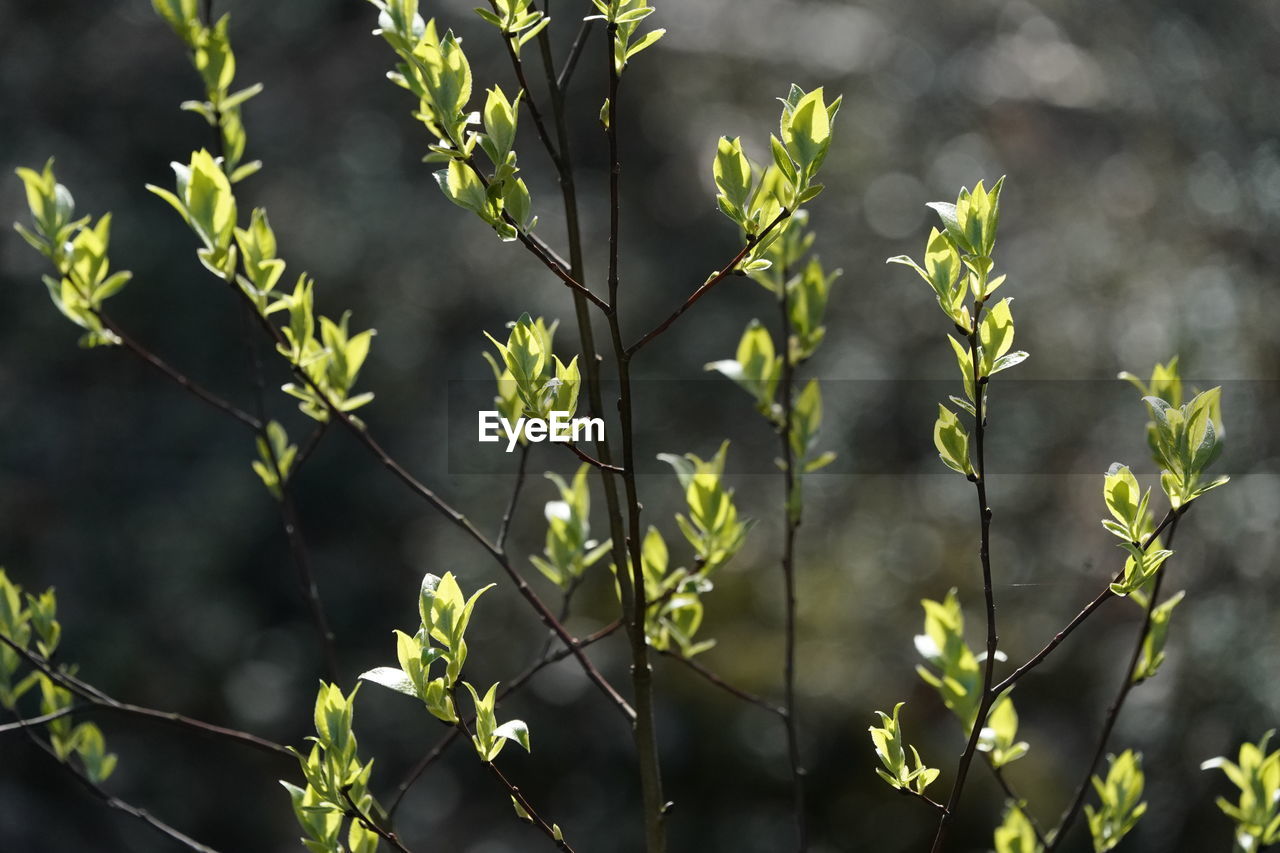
x,y
1140,219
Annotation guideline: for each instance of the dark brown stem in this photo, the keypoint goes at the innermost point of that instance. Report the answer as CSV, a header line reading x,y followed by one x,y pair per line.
x,y
586,334
924,798
791,522
307,580
530,104
717,277
187,384
575,53
308,447
984,554
641,670
1035,660
98,700
458,519
594,463
500,541
1113,712
542,251
509,687
518,796
356,813
28,722
118,804
288,509
712,678
1003,781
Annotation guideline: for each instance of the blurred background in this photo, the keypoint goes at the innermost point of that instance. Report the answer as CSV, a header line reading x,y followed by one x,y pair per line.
x,y
1141,146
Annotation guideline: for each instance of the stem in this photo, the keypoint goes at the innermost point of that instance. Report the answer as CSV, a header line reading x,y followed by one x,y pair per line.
x,y
575,53
716,680
532,105
717,277
641,670
594,463
459,520
116,803
500,541
1113,712
984,554
308,447
509,687
516,795
356,813
791,510
98,700
998,773
306,578
21,723
172,373
1170,518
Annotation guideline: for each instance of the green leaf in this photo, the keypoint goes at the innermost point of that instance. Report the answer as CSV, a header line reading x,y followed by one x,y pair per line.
x,y
391,678
952,441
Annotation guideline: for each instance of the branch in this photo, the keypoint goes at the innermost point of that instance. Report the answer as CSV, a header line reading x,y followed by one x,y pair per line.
x,y
646,738
118,804
500,541
22,723
530,103
542,251
924,798
519,798
308,447
459,520
1170,517
575,53
189,385
791,522
98,700
998,773
594,463
356,813
438,750
706,286
712,678
984,554
1113,712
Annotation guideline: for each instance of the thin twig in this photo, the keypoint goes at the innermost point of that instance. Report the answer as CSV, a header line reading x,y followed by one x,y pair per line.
x,y
924,798
575,53
1003,781
356,813
594,463
459,520
646,738
27,722
984,554
187,384
500,541
118,804
1038,658
530,104
542,251
98,700
717,277
712,678
530,813
306,577
308,447
1113,712
791,505
438,750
